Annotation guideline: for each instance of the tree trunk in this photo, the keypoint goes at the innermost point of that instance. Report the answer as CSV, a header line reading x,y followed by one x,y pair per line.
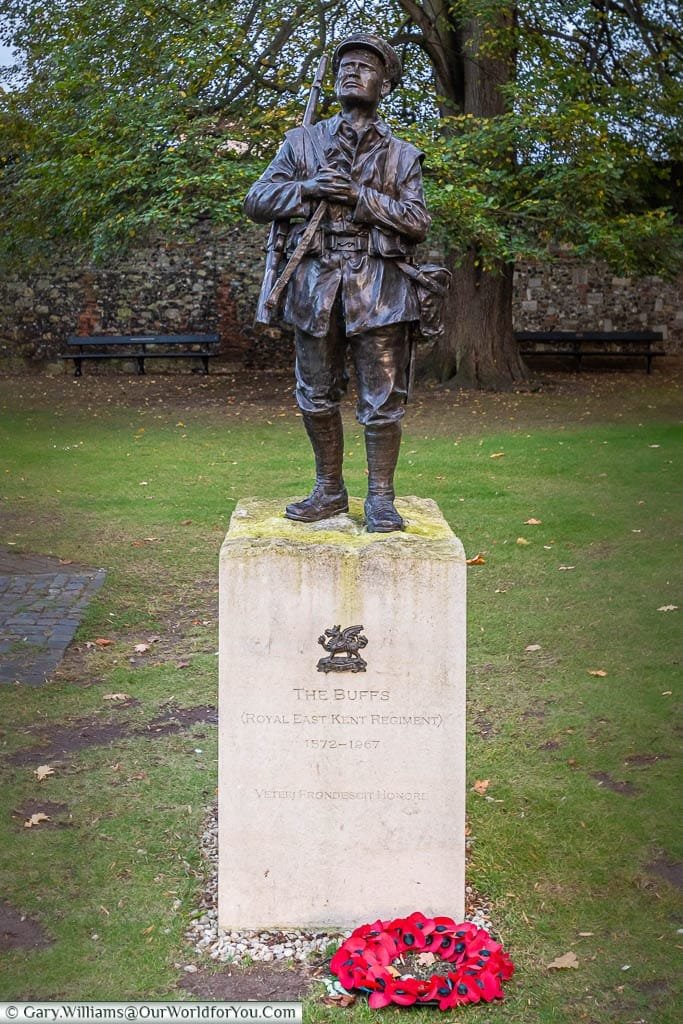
x,y
478,349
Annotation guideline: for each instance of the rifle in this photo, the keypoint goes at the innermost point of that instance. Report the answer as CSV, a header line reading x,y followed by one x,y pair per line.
x,y
272,287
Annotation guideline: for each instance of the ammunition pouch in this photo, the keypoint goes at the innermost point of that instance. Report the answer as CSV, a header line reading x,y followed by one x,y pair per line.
x,y
432,283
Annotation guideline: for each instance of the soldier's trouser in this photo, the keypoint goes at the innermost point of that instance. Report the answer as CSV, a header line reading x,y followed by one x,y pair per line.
x,y
380,358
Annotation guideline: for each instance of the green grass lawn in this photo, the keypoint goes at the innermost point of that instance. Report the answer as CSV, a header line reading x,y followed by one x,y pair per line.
x,y
140,477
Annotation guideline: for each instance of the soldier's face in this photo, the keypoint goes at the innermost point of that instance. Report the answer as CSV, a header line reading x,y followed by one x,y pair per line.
x,y
361,78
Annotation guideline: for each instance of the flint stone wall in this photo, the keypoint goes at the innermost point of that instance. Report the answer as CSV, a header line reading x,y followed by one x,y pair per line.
x,y
211,283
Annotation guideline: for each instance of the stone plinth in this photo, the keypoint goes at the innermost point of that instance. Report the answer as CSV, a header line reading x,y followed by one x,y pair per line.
x,y
341,793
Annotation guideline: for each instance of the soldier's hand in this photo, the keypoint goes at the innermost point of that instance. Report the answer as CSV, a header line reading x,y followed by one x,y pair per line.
x,y
331,184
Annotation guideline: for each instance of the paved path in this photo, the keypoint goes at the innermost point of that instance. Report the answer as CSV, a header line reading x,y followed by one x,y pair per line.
x,y
41,604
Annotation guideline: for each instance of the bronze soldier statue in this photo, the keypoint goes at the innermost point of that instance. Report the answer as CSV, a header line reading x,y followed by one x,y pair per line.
x,y
350,290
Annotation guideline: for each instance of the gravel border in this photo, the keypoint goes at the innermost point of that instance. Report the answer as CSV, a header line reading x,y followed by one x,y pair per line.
x,y
302,946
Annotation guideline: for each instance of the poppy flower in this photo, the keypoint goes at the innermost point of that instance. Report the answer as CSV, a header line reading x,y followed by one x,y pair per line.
x,y
405,991
475,986
411,931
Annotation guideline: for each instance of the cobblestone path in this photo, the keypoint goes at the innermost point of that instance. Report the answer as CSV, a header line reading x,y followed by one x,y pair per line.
x,y
41,604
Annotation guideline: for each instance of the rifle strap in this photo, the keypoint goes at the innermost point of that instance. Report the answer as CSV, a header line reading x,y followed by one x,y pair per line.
x,y
318,154
391,166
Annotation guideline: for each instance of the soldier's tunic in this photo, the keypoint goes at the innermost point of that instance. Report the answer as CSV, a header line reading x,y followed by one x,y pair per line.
x,y
348,288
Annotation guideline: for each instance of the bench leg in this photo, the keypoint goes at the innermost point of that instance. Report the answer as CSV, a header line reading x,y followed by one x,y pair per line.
x,y
78,372
649,362
205,361
141,364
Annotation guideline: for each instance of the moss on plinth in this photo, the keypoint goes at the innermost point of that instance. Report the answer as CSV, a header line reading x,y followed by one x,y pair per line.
x,y
259,519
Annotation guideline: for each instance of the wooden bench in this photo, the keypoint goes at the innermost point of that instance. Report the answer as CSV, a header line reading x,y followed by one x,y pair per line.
x,y
140,347
578,344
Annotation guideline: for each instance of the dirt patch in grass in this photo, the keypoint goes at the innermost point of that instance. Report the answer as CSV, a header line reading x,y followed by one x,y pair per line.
x,y
670,870
644,760
54,811
261,981
486,728
61,740
537,712
17,931
176,719
605,779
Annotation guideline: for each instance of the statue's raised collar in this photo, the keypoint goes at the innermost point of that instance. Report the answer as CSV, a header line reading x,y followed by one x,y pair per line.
x,y
380,127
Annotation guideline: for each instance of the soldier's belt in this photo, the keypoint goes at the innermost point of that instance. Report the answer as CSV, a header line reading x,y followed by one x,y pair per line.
x,y
346,243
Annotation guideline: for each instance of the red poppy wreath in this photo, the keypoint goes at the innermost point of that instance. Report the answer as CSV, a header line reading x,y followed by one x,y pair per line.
x,y
475,965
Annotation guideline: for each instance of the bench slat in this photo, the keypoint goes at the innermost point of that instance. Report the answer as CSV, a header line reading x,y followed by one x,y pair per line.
x,y
142,339
621,337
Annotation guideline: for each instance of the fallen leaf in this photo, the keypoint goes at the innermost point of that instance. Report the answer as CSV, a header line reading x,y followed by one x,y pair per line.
x,y
43,772
36,819
497,455
586,935
477,560
66,561
141,648
481,785
339,1000
101,642
522,541
118,697
597,672
562,962
425,959
566,568
151,540
533,647
182,664
532,522
186,522
668,608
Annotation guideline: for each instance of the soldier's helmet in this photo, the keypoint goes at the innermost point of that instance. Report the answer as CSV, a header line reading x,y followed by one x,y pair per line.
x,y
367,41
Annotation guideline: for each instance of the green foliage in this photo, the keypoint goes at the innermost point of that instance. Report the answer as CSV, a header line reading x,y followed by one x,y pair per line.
x,y
125,118
490,190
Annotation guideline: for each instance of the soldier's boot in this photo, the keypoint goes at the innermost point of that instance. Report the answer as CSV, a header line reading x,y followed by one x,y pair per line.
x,y
382,444
329,496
